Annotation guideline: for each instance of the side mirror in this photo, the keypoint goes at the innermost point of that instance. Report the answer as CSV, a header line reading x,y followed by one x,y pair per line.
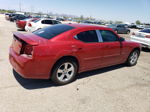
x,y
121,39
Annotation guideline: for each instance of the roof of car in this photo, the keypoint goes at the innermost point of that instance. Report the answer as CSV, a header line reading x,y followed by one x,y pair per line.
x,y
86,25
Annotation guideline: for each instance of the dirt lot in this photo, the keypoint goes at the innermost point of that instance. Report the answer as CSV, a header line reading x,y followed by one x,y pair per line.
x,y
114,89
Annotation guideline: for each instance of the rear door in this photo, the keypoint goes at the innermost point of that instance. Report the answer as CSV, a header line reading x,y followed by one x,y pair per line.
x,y
89,49
111,48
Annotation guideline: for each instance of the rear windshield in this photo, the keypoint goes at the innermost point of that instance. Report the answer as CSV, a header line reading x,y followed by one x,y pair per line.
x,y
26,19
145,31
52,31
36,20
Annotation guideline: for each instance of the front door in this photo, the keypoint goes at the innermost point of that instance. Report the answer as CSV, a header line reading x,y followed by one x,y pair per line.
x,y
111,48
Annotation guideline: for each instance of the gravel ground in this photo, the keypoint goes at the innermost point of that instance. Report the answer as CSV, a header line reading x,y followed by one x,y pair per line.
x,y
113,89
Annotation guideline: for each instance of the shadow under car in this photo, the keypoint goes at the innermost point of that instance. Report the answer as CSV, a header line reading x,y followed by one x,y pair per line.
x,y
41,83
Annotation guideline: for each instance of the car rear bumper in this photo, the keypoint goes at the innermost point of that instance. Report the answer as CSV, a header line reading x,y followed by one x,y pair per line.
x,y
28,67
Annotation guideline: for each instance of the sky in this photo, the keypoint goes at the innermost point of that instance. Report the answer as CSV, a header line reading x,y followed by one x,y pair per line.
x,y
116,10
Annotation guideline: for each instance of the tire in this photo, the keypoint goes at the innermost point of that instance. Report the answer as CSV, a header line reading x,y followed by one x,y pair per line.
x,y
64,71
133,58
128,32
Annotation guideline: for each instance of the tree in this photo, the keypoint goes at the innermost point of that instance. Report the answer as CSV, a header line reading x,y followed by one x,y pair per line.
x,y
81,17
118,22
138,22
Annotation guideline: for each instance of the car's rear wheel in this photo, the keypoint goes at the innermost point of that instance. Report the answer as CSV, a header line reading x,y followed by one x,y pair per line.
x,y
133,58
128,32
64,71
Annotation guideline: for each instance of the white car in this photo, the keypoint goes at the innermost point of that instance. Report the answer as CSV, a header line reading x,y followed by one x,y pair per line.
x,y
39,24
142,37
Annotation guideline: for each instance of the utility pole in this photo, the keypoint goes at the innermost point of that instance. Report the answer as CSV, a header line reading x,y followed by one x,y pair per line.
x,y
20,5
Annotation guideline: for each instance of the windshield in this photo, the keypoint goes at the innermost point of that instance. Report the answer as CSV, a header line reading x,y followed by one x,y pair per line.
x,y
36,20
112,26
26,19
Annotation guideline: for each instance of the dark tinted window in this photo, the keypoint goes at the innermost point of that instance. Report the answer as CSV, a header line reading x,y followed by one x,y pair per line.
x,y
88,36
145,31
56,22
46,22
120,26
52,31
108,36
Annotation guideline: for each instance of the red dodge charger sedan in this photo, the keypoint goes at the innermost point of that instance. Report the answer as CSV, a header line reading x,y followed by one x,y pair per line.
x,y
59,52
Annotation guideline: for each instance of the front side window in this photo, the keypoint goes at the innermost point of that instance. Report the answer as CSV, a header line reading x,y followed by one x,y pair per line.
x,y
108,36
56,22
88,36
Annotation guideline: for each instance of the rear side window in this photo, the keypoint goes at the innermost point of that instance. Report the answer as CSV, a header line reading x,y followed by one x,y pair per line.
x,y
145,31
88,36
108,36
52,31
47,22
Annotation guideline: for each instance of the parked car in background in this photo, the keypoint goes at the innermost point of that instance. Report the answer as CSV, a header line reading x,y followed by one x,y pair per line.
x,y
119,28
22,23
40,23
142,36
133,26
18,17
140,26
9,15
61,51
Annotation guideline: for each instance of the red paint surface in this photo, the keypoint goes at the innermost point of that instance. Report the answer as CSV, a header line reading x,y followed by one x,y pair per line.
x,y
47,52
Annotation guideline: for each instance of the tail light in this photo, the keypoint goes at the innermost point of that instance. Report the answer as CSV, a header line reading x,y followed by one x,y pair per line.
x,y
29,24
147,36
133,33
27,50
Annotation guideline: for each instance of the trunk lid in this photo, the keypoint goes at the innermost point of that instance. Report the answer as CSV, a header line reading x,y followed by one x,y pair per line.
x,y
21,41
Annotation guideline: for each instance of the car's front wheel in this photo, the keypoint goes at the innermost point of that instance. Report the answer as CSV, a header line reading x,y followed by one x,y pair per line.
x,y
64,71
133,58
